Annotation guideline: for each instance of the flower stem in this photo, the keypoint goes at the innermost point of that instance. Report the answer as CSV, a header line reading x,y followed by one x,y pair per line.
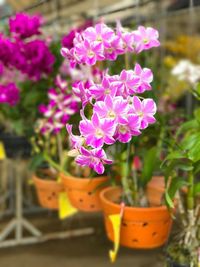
x,y
125,173
126,61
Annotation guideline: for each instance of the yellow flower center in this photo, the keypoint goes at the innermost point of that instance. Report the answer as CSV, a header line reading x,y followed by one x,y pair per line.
x,y
123,129
111,114
99,133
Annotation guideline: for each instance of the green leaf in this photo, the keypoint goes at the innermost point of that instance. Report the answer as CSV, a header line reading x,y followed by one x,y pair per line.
x,y
192,124
169,201
197,114
194,152
149,164
185,166
36,161
175,185
177,154
190,141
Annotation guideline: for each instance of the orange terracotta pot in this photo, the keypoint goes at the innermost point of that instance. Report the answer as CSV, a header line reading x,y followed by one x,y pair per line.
x,y
155,190
47,192
141,228
83,193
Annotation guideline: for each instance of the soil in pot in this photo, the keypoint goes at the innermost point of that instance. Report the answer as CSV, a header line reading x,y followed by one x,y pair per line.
x,y
142,228
48,189
84,193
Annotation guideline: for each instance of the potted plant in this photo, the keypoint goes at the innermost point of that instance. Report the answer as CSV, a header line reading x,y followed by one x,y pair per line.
x,y
118,113
182,165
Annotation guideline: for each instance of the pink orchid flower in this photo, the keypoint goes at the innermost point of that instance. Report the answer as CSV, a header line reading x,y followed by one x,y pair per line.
x,y
95,159
100,91
125,132
115,108
77,141
145,109
100,33
147,37
97,131
89,52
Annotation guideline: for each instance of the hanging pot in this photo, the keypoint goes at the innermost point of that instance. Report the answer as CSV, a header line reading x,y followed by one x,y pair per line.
x,y
142,228
83,193
48,192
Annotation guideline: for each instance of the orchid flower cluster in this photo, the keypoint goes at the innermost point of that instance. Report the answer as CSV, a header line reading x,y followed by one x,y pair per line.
x,y
118,113
103,43
9,94
62,105
31,57
24,25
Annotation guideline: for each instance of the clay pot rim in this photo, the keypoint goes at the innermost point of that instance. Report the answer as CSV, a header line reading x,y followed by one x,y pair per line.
x,y
81,179
128,209
44,181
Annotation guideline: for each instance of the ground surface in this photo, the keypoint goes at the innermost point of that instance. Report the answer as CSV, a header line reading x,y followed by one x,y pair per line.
x,y
87,251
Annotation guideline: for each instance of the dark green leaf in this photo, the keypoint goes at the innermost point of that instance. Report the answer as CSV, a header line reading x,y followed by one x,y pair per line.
x,y
149,164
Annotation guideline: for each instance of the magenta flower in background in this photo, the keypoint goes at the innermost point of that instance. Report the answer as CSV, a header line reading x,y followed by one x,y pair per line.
x,y
9,94
97,131
6,50
60,108
95,159
24,25
67,40
145,109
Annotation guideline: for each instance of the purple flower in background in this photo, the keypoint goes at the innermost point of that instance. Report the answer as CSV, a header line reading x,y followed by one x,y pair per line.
x,y
95,159
39,59
24,25
6,50
67,40
97,131
9,94
60,108
145,109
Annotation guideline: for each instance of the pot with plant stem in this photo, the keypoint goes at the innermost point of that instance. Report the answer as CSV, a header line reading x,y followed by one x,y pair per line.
x,y
141,227
83,193
48,189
